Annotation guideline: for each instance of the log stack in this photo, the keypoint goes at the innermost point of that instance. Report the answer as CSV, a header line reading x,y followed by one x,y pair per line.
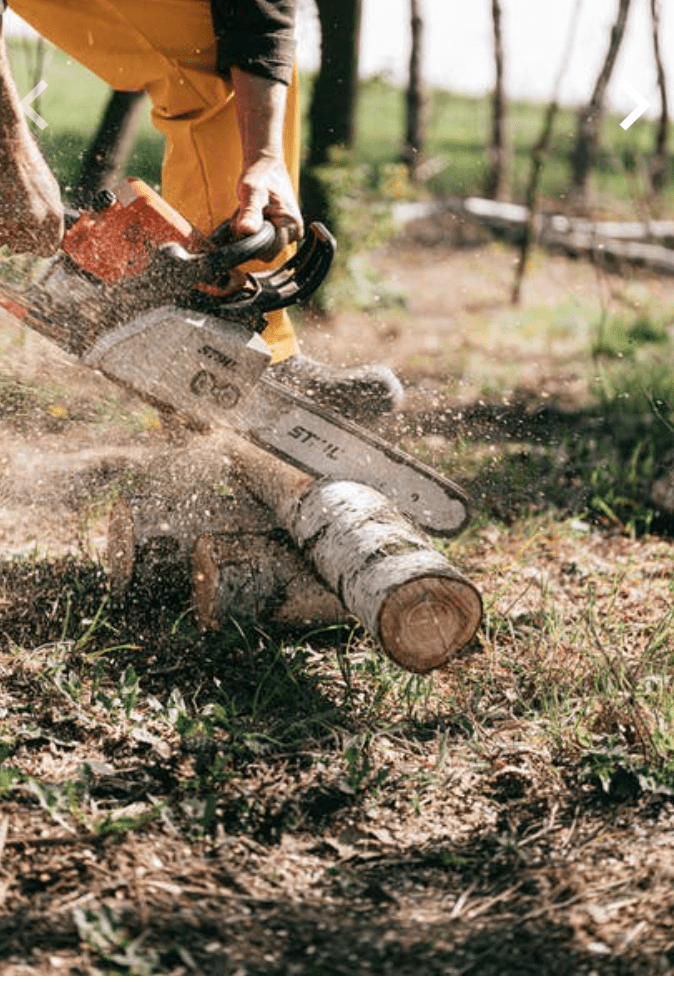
x,y
648,243
301,551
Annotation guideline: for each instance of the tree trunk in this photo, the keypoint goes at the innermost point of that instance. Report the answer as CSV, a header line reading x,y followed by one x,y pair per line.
x,y
660,162
496,179
111,146
414,99
332,114
538,157
589,119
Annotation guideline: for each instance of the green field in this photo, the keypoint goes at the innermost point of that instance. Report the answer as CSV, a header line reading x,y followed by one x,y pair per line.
x,y
457,128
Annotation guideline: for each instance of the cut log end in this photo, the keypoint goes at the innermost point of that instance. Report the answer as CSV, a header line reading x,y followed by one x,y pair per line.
x,y
427,621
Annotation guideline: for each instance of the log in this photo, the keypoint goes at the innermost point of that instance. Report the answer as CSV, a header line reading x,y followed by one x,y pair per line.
x,y
649,255
386,571
153,524
633,243
506,217
250,577
341,538
223,555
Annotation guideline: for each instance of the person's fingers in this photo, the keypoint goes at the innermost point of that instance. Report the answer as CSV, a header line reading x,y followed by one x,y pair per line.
x,y
249,217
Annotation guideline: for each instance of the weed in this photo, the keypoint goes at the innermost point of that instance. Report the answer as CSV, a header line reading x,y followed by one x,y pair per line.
x,y
103,932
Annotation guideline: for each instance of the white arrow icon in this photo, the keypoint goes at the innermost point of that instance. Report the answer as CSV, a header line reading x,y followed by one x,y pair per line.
x,y
642,106
28,109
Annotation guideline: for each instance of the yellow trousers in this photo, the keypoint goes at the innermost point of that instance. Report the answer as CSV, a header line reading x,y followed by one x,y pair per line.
x,y
168,48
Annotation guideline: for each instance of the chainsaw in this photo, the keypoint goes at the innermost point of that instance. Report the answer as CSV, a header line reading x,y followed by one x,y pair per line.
x,y
139,294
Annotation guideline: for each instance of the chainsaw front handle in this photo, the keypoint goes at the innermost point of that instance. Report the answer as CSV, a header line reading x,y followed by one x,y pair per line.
x,y
295,280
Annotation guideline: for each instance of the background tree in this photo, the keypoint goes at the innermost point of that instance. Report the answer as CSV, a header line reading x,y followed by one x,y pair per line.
x,y
495,184
37,57
332,113
660,162
538,156
110,148
587,137
414,96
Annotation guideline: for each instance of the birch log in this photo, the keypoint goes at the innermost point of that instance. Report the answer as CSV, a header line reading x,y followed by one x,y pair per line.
x,y
224,555
252,577
382,567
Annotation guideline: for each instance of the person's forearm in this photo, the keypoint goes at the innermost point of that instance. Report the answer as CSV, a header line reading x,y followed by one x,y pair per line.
x,y
261,107
11,117
31,215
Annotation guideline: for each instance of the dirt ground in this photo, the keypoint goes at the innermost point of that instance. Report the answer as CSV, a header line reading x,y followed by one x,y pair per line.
x,y
331,816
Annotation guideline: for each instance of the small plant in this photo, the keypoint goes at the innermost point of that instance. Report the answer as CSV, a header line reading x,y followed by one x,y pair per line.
x,y
355,202
105,935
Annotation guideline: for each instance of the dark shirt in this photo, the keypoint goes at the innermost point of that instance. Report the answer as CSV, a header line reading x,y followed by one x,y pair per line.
x,y
256,35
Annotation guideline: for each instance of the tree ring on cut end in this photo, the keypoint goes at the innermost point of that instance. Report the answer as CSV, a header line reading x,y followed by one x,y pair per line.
x,y
426,621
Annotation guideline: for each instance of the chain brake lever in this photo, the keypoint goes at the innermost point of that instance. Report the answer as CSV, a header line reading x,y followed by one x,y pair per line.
x,y
296,279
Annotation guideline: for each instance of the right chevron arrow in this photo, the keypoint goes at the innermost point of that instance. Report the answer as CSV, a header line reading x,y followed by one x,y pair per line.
x,y
641,108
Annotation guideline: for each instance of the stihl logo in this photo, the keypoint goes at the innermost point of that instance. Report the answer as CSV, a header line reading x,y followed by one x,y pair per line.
x,y
219,356
316,442
222,393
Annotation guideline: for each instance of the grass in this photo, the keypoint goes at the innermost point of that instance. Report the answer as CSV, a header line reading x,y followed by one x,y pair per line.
x,y
231,775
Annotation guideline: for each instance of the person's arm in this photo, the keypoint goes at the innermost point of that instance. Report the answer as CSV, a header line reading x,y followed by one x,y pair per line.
x,y
31,215
256,47
264,187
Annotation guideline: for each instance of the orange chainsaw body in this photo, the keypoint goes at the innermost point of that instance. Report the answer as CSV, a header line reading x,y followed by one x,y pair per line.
x,y
117,242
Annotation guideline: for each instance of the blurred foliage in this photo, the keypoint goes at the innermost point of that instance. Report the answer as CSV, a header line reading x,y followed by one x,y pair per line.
x,y
354,200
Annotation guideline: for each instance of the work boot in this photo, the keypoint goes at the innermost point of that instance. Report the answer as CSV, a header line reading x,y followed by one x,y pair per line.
x,y
353,392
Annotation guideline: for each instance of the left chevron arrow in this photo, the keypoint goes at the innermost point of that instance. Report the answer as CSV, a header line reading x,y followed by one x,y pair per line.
x,y
28,109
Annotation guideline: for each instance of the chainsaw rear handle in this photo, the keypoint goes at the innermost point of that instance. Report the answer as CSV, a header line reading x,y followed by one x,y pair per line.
x,y
300,276
291,282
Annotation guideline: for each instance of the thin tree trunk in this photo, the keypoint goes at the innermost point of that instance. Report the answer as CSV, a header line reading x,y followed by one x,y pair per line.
x,y
415,128
587,138
659,165
496,179
538,156
111,145
332,114
38,55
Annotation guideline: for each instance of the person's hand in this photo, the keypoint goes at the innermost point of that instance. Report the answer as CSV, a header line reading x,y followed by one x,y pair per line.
x,y
266,191
31,214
